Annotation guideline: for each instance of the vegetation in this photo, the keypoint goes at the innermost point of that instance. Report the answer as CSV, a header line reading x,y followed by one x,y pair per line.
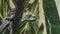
x,y
45,11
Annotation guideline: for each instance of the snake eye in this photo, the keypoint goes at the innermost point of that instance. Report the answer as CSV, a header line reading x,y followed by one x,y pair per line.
x,y
29,15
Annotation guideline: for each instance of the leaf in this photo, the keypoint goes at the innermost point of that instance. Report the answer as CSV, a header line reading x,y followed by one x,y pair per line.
x,y
53,16
40,30
33,6
0,16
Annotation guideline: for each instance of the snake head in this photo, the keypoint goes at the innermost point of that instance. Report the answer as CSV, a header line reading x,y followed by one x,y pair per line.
x,y
28,17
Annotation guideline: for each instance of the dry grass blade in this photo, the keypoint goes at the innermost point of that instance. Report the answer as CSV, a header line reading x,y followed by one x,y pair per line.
x,y
42,17
58,6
